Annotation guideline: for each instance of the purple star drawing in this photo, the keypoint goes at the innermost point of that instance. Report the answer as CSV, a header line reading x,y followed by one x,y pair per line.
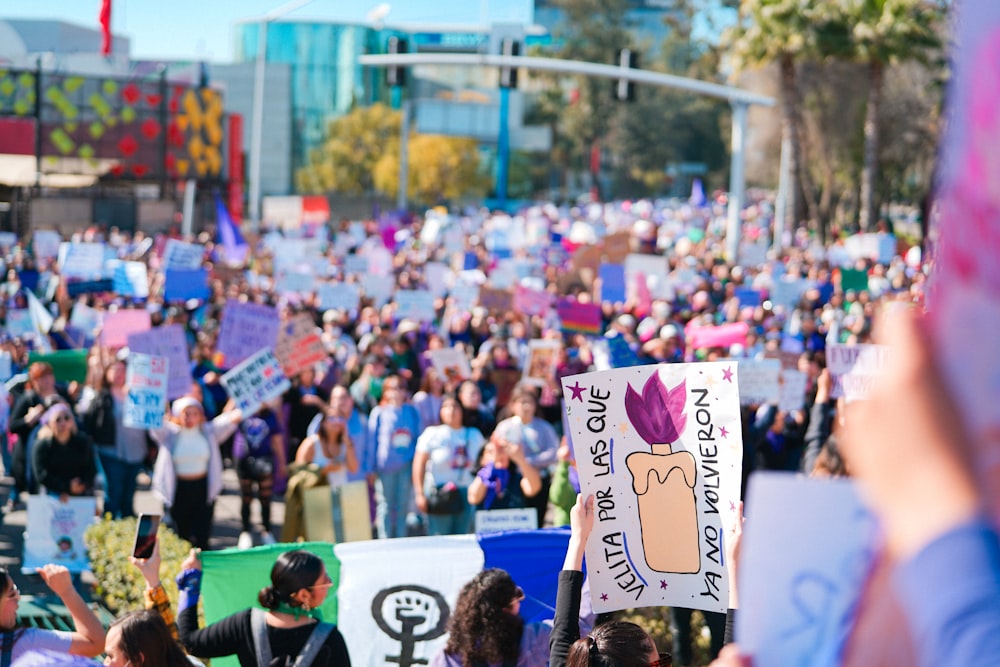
x,y
604,597
577,392
723,431
727,375
663,583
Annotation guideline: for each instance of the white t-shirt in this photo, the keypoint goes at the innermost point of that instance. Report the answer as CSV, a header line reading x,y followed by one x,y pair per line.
x,y
34,639
452,453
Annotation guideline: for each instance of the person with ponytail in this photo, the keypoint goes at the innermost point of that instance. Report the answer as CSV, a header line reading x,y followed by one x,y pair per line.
x,y
287,633
614,644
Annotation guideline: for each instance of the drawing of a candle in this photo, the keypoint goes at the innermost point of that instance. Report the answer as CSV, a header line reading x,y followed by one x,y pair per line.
x,y
663,480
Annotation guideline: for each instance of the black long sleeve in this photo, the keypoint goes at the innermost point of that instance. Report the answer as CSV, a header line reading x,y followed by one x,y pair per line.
x,y
820,422
566,624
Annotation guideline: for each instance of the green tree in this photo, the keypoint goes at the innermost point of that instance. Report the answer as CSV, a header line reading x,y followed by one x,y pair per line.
x,y
355,143
885,33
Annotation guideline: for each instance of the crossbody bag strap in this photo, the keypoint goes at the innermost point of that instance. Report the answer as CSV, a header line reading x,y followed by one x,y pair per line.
x,y
7,649
313,644
261,644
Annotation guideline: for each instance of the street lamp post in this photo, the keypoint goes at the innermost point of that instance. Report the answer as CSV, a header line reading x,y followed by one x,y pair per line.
x,y
257,131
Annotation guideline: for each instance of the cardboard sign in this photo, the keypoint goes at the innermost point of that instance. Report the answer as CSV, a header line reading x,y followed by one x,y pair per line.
x,y
759,381
498,521
437,276
81,260
246,329
540,366
119,324
180,285
170,343
45,243
617,246
792,394
19,323
338,296
181,255
451,364
801,577
724,335
414,304
747,296
531,302
654,269
378,288
620,354
787,293
130,279
6,370
355,265
496,300
577,317
854,279
54,533
612,283
299,346
295,282
255,381
660,448
146,402
464,296
854,368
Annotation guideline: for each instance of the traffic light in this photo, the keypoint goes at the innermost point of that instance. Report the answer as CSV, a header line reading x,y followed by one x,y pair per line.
x,y
395,75
624,88
508,75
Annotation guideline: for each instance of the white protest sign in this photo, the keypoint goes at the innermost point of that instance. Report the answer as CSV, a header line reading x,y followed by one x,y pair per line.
x,y
543,357
54,532
129,277
660,448
6,369
654,269
378,288
299,346
45,243
759,381
256,381
183,256
355,265
19,322
854,368
465,296
146,401
801,577
295,282
414,304
451,363
497,521
169,342
793,390
787,293
7,239
81,260
437,276
340,296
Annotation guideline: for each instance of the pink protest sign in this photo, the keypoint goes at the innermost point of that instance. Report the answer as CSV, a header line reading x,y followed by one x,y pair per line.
x,y
723,335
531,302
119,324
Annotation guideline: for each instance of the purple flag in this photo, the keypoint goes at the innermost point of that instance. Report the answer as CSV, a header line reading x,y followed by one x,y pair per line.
x,y
234,247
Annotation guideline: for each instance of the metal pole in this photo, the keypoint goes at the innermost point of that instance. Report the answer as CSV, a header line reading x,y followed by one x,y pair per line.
x,y
404,158
396,97
737,181
187,223
781,202
503,147
257,131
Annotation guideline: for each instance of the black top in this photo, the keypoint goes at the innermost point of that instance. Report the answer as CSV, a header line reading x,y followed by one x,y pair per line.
x,y
55,464
566,624
233,635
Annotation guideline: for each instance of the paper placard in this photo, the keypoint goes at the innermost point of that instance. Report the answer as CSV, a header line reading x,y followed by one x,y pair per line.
x,y
146,401
787,293
465,296
854,279
498,521
540,366
414,304
617,246
528,301
54,532
655,271
295,282
724,335
660,448
612,283
180,285
170,343
182,255
299,346
759,381
854,368
45,243
355,265
6,369
747,296
801,577
19,323
792,394
246,329
578,317
496,300
451,364
119,324
378,288
255,381
81,260
339,296
437,275
130,279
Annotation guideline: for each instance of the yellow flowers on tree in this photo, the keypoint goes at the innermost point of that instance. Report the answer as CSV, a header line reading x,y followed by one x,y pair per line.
x,y
441,168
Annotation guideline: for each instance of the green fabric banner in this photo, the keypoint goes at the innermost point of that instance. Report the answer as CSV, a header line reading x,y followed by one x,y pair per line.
x,y
68,365
232,579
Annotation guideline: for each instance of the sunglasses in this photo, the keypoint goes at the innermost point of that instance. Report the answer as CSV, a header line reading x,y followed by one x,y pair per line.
x,y
665,660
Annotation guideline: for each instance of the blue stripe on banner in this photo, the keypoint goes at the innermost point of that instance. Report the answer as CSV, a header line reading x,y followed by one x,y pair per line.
x,y
533,558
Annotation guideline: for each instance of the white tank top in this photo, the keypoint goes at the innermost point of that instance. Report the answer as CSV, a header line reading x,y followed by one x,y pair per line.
x,y
191,453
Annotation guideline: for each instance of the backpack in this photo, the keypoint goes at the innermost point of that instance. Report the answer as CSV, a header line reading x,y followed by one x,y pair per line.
x,y
262,645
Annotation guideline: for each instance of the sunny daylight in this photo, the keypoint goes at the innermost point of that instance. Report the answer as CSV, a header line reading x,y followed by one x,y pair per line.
x,y
499,333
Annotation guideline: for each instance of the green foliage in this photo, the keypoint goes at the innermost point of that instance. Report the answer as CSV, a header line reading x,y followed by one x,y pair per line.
x,y
119,583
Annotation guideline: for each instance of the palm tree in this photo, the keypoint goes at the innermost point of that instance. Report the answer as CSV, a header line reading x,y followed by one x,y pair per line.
x,y
885,33
782,32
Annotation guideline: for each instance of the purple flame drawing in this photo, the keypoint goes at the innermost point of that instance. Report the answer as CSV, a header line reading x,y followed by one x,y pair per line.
x,y
656,415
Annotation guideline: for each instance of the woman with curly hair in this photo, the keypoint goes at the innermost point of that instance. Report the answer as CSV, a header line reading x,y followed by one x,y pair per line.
x,y
486,629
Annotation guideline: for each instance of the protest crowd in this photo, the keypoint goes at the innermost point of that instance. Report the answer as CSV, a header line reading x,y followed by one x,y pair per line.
x,y
410,368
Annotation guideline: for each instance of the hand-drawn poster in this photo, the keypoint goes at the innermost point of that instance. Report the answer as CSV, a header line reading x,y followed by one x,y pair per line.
x,y
54,533
660,448
854,369
451,364
170,342
543,357
299,345
255,381
146,401
801,577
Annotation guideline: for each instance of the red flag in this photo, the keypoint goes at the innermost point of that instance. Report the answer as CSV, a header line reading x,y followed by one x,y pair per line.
x,y
104,18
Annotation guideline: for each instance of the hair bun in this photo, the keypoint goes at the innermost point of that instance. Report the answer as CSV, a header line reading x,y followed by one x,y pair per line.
x,y
268,598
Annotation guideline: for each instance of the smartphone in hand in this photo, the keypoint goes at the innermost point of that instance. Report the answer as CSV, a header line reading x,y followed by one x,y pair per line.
x,y
145,535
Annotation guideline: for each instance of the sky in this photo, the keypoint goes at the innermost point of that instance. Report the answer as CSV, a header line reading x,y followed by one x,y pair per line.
x,y
202,29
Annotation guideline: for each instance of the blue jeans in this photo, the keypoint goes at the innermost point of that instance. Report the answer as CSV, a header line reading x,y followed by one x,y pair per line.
x,y
452,524
119,484
394,494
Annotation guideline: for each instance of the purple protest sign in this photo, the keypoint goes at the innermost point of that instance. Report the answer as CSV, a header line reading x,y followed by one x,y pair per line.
x,y
170,342
246,329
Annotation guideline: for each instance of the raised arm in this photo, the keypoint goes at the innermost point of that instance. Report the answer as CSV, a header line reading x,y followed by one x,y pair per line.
x,y
88,633
566,624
